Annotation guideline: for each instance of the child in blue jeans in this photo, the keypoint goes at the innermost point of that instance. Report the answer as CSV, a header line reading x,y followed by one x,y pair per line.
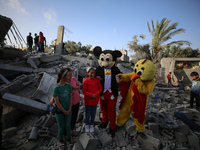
x,y
195,90
91,90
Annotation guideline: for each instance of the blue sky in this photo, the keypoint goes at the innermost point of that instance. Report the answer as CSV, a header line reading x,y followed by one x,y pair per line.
x,y
110,24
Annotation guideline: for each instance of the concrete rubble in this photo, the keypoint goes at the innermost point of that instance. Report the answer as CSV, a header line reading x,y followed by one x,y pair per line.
x,y
169,124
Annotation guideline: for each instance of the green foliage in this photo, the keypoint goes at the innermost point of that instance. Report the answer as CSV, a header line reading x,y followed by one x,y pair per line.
x,y
73,47
141,51
161,33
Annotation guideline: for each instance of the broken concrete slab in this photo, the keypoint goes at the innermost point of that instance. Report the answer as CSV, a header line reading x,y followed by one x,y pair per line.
x,y
44,91
4,79
24,103
17,84
17,68
31,62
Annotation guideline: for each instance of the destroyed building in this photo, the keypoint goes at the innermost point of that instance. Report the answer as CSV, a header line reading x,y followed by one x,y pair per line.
x,y
29,123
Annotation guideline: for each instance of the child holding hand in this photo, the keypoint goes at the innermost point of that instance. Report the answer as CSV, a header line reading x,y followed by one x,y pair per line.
x,y
91,90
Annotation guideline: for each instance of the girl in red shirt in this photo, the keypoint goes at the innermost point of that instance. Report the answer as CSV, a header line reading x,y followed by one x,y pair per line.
x,y
91,90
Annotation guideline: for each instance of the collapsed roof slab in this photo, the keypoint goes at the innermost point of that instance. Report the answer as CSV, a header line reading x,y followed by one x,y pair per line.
x,y
45,58
86,61
17,68
11,53
24,104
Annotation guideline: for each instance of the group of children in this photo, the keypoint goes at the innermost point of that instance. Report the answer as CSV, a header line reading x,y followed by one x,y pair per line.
x,y
66,98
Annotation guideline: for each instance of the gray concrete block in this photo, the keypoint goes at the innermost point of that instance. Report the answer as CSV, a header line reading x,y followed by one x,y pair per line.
x,y
183,129
97,131
193,140
105,139
150,143
153,126
129,147
77,146
120,140
9,132
130,126
88,141
180,137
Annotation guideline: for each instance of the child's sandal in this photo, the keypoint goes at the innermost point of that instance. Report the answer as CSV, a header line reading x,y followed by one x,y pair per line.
x,y
69,146
61,146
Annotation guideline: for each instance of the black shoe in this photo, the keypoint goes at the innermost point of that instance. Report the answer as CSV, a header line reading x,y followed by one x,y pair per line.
x,y
112,132
190,107
142,135
103,125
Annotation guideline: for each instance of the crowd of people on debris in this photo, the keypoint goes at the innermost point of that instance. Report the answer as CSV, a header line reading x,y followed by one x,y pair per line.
x,y
39,42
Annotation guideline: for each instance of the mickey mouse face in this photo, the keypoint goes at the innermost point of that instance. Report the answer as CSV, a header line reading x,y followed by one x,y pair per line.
x,y
106,60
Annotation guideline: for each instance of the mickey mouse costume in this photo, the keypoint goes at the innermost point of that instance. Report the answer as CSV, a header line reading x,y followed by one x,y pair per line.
x,y
106,73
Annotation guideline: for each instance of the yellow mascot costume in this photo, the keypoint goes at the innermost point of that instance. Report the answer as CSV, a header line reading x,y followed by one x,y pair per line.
x,y
135,89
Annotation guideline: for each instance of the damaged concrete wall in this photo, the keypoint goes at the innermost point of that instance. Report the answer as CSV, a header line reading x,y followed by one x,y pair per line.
x,y
168,65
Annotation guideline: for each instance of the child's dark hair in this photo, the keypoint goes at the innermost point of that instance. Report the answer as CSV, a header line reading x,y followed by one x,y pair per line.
x,y
62,73
89,70
194,73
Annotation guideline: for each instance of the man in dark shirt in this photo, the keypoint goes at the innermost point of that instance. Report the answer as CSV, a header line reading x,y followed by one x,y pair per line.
x,y
29,42
36,39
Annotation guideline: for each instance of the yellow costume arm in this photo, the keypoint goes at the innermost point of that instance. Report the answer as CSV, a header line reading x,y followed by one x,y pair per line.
x,y
126,77
145,87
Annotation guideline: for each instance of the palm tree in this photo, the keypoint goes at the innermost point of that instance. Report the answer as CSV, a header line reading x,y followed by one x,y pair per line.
x,y
163,32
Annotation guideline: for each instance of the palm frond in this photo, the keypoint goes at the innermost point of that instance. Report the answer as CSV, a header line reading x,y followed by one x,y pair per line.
x,y
162,33
171,27
152,25
180,42
176,32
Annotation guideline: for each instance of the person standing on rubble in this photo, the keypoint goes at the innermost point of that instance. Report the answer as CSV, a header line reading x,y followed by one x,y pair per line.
x,y
62,95
75,101
180,85
36,42
169,79
29,40
195,90
91,90
42,42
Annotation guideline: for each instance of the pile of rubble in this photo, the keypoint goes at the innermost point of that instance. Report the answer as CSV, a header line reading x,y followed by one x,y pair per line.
x,y
169,124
